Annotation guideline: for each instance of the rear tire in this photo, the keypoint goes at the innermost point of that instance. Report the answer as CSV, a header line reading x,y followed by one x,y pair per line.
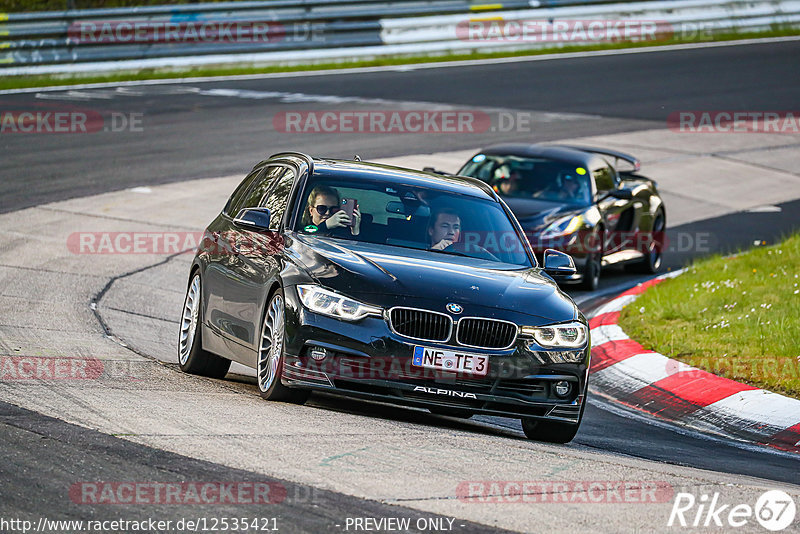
x,y
271,354
191,356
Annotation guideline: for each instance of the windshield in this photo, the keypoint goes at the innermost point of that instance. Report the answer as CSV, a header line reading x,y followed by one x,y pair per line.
x,y
443,222
539,178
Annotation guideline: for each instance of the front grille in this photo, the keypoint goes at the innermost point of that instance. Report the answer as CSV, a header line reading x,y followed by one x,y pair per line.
x,y
421,324
486,333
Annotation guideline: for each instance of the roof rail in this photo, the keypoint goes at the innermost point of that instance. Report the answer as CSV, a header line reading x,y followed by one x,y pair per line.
x,y
305,157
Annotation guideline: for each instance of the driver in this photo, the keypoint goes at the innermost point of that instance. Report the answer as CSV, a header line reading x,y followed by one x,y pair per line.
x,y
324,216
506,181
444,228
570,188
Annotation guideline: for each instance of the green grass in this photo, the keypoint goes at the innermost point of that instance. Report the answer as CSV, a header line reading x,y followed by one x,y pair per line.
x,y
17,82
738,317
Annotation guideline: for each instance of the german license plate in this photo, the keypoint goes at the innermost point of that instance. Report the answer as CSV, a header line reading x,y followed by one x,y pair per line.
x,y
453,361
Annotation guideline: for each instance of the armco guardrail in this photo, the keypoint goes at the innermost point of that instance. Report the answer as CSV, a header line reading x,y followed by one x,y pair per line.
x,y
220,28
299,31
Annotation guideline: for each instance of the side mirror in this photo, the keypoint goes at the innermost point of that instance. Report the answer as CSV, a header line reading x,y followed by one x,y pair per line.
x,y
558,264
255,219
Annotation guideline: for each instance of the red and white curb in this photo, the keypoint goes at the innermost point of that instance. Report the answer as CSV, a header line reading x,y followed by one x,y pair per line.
x,y
650,382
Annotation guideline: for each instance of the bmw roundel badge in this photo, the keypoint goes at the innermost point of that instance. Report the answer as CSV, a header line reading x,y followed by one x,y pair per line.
x,y
454,308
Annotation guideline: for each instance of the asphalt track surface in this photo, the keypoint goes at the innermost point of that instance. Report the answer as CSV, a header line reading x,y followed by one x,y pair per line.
x,y
199,135
73,451
191,135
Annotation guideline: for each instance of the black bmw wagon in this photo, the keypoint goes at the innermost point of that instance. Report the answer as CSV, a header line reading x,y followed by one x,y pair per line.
x,y
387,284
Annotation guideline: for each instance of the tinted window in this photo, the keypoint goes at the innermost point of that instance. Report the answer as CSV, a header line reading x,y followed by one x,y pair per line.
x,y
407,216
604,179
237,198
278,198
537,178
256,196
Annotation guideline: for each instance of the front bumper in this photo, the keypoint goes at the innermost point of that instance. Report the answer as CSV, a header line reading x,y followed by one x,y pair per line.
x,y
366,359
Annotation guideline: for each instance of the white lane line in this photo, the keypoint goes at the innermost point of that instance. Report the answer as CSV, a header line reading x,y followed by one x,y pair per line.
x,y
402,68
333,100
764,209
78,95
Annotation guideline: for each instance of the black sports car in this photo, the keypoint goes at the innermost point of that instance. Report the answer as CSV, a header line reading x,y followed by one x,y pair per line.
x,y
576,200
387,284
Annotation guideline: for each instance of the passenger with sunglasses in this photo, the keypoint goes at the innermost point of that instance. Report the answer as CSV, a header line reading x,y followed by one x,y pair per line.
x,y
323,214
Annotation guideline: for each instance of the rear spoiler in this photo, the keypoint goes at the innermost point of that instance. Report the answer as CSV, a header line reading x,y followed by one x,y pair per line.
x,y
607,152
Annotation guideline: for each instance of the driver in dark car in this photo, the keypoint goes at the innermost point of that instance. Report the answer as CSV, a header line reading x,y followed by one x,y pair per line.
x,y
444,228
571,189
323,214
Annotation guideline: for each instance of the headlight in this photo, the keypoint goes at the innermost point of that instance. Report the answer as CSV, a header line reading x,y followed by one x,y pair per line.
x,y
326,302
559,336
564,226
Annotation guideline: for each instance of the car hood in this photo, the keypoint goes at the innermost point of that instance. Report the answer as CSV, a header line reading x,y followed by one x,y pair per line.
x,y
536,215
390,276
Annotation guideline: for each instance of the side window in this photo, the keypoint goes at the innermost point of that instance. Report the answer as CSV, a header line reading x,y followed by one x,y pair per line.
x,y
279,197
604,179
237,198
256,195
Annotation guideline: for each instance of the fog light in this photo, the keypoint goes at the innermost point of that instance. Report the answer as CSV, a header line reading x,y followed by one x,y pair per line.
x,y
318,353
562,388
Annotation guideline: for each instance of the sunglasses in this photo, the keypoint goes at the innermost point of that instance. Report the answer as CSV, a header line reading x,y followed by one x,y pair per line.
x,y
324,210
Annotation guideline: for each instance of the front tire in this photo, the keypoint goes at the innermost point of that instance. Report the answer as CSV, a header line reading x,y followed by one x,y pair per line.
x,y
591,273
271,354
191,356
553,431
549,431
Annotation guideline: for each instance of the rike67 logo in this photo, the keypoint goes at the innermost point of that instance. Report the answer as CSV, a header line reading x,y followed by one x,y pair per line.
x,y
774,510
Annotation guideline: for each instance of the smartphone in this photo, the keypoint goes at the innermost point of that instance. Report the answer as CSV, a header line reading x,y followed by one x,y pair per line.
x,y
348,205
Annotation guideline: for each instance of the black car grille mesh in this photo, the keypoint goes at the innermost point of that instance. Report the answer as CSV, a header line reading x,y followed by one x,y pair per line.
x,y
420,324
486,333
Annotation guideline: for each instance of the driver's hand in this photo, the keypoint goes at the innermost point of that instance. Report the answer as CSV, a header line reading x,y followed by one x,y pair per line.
x,y
356,228
337,220
441,245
